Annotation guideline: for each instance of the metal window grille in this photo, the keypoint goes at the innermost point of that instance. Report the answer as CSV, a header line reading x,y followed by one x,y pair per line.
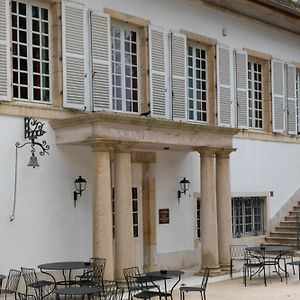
x,y
255,93
247,216
298,98
125,69
135,212
198,228
197,83
30,52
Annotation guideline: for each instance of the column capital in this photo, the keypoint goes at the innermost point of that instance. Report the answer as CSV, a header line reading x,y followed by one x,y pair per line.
x,y
101,145
225,152
207,151
123,147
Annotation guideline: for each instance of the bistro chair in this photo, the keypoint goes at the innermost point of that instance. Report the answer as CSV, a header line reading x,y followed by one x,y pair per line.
x,y
109,290
237,253
254,265
41,288
137,285
12,283
201,289
93,276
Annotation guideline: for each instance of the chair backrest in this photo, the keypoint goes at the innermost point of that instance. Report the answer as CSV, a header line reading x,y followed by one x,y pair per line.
x,y
108,289
237,252
13,280
131,275
29,275
99,266
205,278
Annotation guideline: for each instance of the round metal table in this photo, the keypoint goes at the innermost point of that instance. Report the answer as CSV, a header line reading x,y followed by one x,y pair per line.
x,y
165,275
77,291
64,266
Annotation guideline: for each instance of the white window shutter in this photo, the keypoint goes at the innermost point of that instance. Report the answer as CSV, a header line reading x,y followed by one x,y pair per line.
x,y
241,85
74,20
291,99
178,65
101,61
224,85
5,77
158,50
278,107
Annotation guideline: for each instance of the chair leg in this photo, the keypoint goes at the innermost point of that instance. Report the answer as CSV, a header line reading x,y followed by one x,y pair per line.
x,y
231,268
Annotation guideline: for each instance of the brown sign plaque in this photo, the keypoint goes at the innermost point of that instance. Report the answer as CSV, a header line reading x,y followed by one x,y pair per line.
x,y
164,216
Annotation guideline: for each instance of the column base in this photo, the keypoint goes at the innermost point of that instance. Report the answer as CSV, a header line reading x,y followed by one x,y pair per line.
x,y
214,271
225,267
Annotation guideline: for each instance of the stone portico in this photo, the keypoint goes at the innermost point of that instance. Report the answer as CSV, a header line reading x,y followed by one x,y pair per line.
x,y
125,139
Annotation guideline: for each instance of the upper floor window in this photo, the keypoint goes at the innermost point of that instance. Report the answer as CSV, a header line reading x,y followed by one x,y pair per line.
x,y
255,94
125,69
197,83
30,52
248,216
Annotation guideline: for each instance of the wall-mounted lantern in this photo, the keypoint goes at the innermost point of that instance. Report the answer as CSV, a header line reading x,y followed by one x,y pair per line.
x,y
184,185
80,186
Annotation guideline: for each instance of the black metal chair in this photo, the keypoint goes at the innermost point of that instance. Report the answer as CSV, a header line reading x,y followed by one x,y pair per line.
x,y
237,253
12,283
109,290
138,285
93,276
41,288
201,289
254,265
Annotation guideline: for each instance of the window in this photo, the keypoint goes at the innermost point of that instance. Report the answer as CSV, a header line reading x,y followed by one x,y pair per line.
x,y
125,69
255,94
197,83
298,97
247,216
198,228
30,52
135,212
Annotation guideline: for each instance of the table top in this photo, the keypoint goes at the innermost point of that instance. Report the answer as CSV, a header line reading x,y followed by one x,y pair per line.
x,y
80,290
278,249
165,273
2,276
66,265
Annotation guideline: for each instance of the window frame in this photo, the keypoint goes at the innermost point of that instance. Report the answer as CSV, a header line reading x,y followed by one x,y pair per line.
x,y
253,100
200,46
130,27
298,99
29,47
243,232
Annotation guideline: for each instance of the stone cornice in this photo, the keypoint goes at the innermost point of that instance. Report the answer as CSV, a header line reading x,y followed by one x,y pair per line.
x,y
138,121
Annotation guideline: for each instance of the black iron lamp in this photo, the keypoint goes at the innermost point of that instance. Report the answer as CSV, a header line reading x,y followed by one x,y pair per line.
x,y
184,186
80,185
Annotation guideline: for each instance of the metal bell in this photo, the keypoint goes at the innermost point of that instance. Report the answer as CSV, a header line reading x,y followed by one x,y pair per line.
x,y
33,162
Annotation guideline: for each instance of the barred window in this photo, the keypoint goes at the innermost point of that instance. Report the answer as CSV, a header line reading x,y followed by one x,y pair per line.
x,y
247,216
30,52
198,228
298,98
135,212
197,83
255,93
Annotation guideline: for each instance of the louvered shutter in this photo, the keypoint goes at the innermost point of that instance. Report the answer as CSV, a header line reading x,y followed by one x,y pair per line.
x,y
178,65
74,54
224,85
291,99
158,68
241,85
101,61
278,96
4,51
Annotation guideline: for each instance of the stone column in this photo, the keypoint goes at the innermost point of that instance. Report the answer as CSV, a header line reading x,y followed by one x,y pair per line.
x,y
224,206
124,243
208,217
102,210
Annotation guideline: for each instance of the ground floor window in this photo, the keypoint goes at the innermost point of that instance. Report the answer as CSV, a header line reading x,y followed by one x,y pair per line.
x,y
248,216
198,228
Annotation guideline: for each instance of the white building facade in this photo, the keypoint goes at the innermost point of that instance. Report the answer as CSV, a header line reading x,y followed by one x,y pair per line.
x,y
135,96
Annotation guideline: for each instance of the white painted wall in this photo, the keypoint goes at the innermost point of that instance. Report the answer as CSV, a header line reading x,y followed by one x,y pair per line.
x,y
47,227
